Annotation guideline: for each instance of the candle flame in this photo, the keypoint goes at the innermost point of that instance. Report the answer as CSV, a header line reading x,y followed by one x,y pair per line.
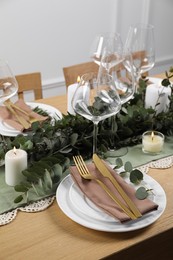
x,y
78,79
14,150
152,136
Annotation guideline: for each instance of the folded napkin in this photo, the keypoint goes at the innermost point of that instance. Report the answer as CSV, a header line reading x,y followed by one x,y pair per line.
x,y
101,199
27,114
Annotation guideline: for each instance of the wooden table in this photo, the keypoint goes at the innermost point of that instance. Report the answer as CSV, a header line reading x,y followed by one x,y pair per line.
x,y
52,235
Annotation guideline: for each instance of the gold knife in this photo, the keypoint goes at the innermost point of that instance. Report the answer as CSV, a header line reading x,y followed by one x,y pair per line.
x,y
20,119
106,173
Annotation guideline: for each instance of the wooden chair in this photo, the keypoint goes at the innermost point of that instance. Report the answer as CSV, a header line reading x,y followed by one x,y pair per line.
x,y
27,82
72,72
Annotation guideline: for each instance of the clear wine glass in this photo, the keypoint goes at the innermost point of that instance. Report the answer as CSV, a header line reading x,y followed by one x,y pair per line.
x,y
8,83
96,99
140,42
107,50
124,80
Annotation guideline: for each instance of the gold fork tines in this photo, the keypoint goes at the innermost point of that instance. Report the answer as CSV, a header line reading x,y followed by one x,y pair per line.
x,y
84,172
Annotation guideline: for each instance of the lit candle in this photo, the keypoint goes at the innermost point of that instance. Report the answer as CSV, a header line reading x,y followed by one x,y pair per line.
x,y
15,163
70,92
152,97
152,142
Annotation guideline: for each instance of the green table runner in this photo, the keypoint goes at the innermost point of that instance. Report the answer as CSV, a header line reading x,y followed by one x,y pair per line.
x,y
8,194
137,157
134,155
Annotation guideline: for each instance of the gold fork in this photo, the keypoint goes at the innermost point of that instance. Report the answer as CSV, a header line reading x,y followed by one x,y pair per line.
x,y
84,172
20,119
31,120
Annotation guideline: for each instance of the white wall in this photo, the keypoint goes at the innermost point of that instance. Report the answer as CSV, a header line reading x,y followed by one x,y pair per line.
x,y
47,35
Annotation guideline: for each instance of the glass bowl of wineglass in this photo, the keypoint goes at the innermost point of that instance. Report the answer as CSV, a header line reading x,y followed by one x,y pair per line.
x,y
96,99
124,80
8,83
106,49
140,42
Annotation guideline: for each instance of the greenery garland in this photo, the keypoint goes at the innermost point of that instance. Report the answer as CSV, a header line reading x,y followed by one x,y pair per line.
x,y
52,146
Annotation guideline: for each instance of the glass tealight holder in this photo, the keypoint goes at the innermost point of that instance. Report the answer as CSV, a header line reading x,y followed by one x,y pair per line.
x,y
152,142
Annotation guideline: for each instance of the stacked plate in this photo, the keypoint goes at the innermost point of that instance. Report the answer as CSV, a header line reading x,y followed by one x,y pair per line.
x,y
81,210
7,130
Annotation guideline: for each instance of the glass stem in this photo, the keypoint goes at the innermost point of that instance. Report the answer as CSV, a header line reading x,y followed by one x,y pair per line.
x,y
113,129
95,131
137,83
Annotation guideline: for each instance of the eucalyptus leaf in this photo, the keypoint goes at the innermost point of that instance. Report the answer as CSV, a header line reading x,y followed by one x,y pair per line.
x,y
20,188
141,193
18,199
119,162
47,180
136,176
128,167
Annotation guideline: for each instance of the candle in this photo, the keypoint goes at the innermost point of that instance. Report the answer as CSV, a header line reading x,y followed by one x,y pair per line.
x,y
152,142
152,97
15,163
70,92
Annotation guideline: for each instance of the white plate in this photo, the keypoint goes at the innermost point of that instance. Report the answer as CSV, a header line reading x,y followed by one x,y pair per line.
x,y
9,131
81,210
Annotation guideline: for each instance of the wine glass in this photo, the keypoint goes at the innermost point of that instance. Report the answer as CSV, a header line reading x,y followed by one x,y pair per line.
x,y
107,53
8,83
124,80
96,99
106,50
140,42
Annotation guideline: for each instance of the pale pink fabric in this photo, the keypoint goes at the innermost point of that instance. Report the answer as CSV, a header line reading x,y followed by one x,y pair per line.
x,y
98,196
12,121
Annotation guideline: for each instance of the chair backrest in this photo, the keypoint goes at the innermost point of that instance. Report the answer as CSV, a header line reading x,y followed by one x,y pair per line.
x,y
30,81
72,72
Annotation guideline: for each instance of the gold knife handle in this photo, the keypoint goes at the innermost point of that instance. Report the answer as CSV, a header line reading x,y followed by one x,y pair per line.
x,y
106,173
116,200
124,195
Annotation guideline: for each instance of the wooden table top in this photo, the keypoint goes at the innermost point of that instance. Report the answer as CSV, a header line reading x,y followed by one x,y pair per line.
x,y
50,234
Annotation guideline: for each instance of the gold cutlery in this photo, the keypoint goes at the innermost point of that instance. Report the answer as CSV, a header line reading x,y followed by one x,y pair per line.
x,y
31,120
20,119
106,173
84,172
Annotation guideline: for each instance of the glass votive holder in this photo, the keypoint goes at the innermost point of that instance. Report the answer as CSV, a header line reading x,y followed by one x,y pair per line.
x,y
152,142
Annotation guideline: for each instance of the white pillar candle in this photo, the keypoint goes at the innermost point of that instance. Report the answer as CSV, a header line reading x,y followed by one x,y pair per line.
x,y
70,92
152,97
15,163
152,142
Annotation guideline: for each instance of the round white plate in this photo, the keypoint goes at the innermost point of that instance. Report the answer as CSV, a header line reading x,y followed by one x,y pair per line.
x,y
9,131
81,210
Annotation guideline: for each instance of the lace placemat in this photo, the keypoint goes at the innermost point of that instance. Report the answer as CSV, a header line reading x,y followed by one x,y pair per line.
x,y
46,202
33,207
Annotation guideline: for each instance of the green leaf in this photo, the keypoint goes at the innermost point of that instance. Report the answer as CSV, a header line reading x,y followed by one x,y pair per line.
x,y
128,167
18,199
165,82
73,138
119,162
141,193
21,188
47,180
136,176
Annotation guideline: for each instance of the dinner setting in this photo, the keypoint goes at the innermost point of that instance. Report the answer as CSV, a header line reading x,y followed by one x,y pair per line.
x,y
86,172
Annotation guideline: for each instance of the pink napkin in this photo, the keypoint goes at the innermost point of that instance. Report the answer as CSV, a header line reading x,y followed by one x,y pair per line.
x,y
7,117
100,198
